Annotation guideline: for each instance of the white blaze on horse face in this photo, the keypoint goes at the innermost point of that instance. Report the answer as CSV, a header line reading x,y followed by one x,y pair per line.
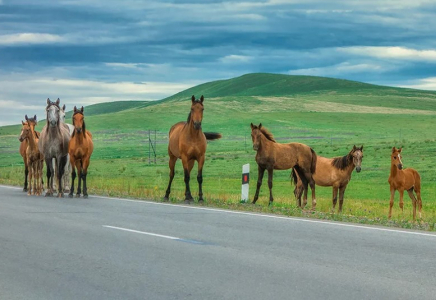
x,y
53,115
399,158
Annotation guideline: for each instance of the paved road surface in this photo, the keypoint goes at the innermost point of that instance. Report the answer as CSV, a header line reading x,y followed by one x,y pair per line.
x,y
103,248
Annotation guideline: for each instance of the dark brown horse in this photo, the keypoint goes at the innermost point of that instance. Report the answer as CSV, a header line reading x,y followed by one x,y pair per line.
x,y
188,142
334,172
23,148
404,179
272,156
80,150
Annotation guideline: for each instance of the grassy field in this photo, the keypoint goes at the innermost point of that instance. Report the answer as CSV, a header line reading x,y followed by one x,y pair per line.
x,y
330,115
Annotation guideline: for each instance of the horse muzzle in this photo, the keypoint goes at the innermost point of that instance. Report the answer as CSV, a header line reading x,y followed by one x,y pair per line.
x,y
358,169
21,139
53,123
255,147
400,166
79,130
197,125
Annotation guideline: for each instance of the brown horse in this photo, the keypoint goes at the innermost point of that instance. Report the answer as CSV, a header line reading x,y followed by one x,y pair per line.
x,y
34,159
23,148
80,150
334,172
272,156
188,142
404,179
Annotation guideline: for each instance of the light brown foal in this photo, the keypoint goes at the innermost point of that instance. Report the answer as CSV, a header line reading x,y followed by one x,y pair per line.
x,y
404,179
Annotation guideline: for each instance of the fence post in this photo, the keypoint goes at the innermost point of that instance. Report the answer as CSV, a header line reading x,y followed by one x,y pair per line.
x,y
245,182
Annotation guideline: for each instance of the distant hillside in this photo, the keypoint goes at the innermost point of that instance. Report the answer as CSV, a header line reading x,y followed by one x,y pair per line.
x,y
108,107
264,84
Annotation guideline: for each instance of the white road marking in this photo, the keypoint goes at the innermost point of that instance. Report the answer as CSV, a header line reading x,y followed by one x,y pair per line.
x,y
294,219
158,235
144,232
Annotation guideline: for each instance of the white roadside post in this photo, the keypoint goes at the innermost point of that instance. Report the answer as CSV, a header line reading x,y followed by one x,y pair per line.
x,y
245,182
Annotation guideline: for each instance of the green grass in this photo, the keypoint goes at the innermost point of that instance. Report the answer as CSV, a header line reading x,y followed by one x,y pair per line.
x,y
327,114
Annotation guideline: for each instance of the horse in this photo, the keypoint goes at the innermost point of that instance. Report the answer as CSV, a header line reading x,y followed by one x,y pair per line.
x,y
334,172
80,150
23,148
34,158
271,156
188,142
404,179
53,143
67,170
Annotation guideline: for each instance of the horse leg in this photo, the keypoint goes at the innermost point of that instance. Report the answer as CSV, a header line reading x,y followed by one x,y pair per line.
x,y
29,191
172,164
84,174
186,171
26,174
260,171
35,177
401,200
418,196
341,197
61,169
79,172
270,185
412,197
391,202
73,176
200,163
335,197
312,187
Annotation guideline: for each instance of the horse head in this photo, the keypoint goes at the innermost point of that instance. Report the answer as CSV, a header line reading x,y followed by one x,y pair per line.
x,y
396,158
25,131
256,134
357,154
53,114
196,114
78,120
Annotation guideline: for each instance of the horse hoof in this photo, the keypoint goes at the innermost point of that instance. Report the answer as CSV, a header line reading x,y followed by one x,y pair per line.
x,y
200,201
77,195
24,190
85,196
187,201
70,195
60,195
165,199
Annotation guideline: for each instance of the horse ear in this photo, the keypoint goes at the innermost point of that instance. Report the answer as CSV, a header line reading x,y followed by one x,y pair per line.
x,y
394,149
48,101
34,117
22,122
25,117
193,98
63,107
260,125
58,101
75,108
201,99
81,109
354,148
361,148
252,126
401,149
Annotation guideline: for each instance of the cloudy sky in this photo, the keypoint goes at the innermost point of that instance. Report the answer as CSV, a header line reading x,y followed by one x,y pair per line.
x,y
90,51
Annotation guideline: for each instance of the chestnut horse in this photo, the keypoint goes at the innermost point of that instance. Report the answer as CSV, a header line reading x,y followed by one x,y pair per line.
x,y
404,179
34,159
80,150
272,156
334,172
23,148
188,142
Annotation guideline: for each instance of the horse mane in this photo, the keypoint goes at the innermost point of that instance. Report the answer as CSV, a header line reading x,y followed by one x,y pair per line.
x,y
267,134
342,162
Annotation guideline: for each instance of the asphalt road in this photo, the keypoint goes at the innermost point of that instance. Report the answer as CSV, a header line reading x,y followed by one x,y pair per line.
x,y
105,248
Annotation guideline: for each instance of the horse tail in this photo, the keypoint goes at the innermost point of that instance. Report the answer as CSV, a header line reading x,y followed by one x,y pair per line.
x,y
212,135
313,163
294,178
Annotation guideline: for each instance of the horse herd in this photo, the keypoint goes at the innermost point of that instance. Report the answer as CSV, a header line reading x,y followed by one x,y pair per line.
x,y
188,142
63,147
